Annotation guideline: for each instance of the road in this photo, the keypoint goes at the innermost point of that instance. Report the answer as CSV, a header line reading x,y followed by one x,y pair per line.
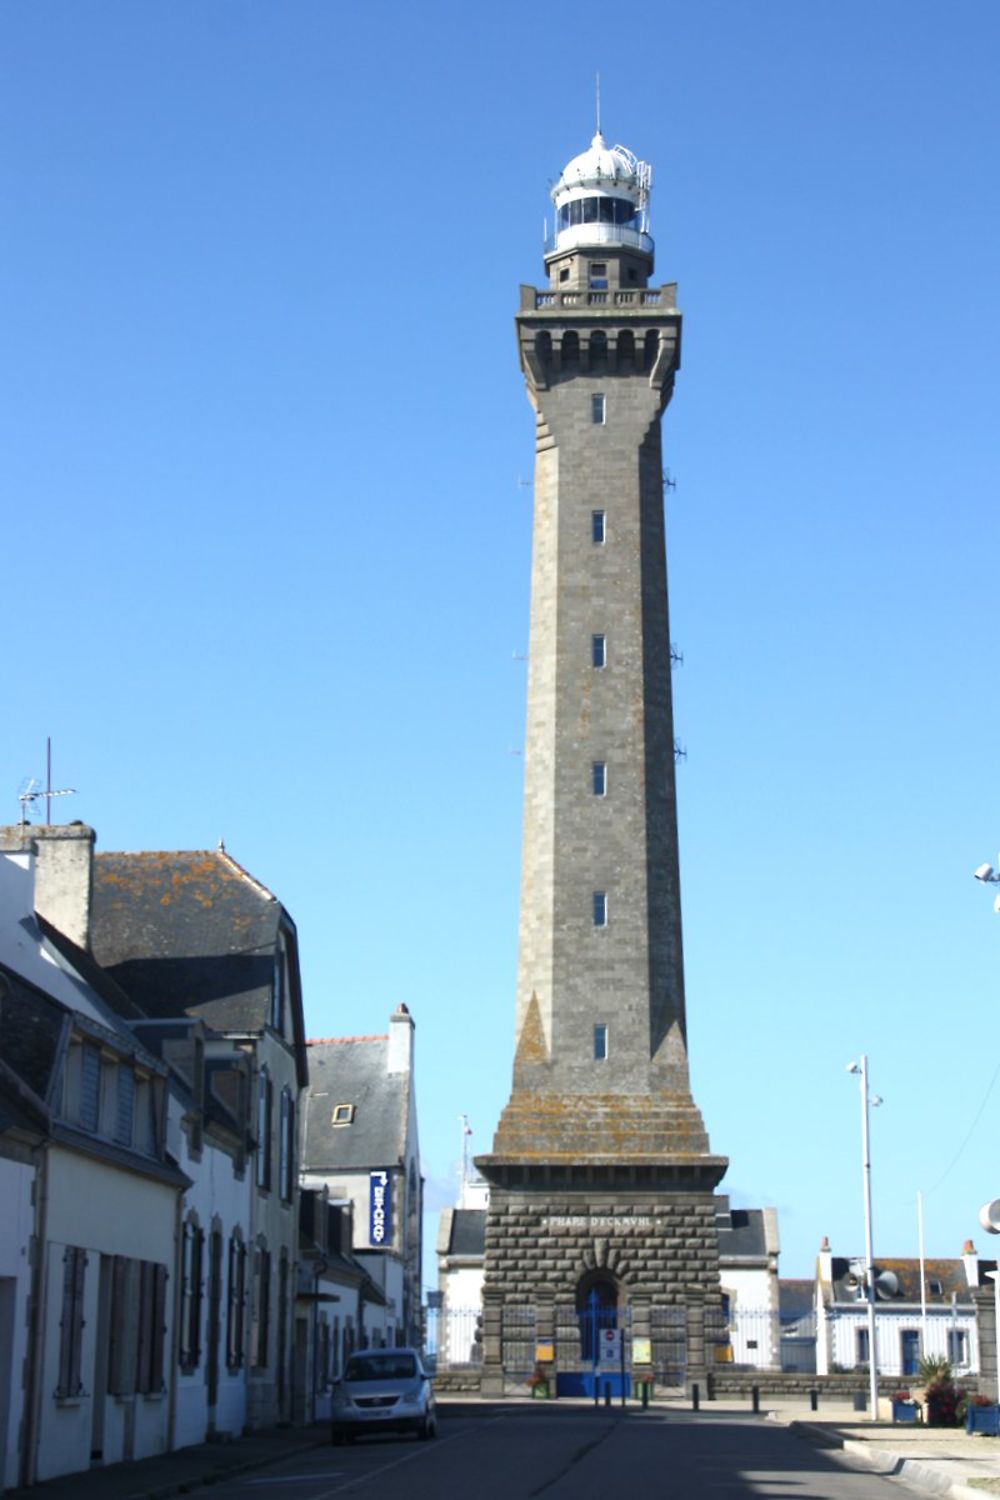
x,y
574,1453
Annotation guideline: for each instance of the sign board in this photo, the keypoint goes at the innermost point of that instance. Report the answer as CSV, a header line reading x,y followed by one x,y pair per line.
x,y
642,1351
544,1354
379,1208
609,1349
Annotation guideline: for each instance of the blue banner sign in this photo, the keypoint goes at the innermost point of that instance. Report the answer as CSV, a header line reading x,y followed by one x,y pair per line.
x,y
379,1208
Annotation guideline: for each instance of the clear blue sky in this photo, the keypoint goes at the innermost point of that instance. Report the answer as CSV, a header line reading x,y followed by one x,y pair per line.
x,y
267,553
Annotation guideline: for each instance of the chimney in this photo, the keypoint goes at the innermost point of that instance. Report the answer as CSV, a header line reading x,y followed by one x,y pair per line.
x,y
970,1260
401,1030
824,1263
64,878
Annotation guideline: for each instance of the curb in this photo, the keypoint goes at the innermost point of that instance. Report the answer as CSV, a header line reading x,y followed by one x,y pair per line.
x,y
917,1471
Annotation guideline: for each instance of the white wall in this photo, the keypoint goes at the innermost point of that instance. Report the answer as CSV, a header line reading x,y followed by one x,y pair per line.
x,y
843,1326
220,1200
16,1226
106,1211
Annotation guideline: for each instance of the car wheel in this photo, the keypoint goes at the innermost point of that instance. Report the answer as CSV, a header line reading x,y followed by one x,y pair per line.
x,y
426,1430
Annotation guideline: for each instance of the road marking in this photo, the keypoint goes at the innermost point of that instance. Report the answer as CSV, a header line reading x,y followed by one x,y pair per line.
x,y
424,1451
297,1478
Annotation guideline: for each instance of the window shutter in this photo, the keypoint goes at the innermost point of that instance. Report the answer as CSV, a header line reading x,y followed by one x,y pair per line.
x,y
197,1257
125,1104
72,1324
90,1087
145,1328
159,1327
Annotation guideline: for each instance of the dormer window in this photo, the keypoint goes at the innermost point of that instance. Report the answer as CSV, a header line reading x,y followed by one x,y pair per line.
x,y
342,1114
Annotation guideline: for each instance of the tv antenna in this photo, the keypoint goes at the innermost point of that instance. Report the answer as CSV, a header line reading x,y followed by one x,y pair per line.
x,y
32,790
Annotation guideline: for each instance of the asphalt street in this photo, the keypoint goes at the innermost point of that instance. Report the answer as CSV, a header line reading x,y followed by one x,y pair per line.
x,y
575,1454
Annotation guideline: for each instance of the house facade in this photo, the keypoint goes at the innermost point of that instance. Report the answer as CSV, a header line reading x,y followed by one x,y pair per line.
x,y
360,1144
943,1325
193,935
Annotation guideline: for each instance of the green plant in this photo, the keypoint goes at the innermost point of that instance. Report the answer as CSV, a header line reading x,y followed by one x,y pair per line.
x,y
934,1370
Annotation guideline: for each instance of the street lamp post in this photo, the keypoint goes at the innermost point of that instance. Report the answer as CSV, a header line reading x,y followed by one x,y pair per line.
x,y
868,1100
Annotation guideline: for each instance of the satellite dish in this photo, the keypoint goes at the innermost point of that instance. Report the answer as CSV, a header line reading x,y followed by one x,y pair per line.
x,y
989,1216
886,1284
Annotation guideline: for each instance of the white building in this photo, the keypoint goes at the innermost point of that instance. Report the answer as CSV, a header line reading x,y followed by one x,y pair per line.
x,y
360,1143
85,1110
903,1333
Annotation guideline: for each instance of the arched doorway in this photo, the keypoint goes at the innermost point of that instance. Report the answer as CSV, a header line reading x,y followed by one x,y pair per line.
x,y
596,1309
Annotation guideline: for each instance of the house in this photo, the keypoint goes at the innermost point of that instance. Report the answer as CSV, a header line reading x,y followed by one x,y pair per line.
x,y
360,1143
456,1320
333,1294
193,936
749,1335
943,1327
86,1254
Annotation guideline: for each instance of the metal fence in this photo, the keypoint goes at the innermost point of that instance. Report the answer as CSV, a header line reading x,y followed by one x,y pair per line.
x,y
746,1338
756,1338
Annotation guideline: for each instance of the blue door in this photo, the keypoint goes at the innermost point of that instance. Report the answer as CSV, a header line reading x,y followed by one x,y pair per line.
x,y
910,1350
596,1309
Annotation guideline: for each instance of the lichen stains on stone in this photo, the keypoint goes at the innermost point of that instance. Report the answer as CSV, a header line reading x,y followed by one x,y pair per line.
x,y
531,1047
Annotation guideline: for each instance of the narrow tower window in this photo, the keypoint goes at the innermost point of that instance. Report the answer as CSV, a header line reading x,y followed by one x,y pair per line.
x,y
600,908
599,778
600,1042
597,528
598,651
599,275
597,409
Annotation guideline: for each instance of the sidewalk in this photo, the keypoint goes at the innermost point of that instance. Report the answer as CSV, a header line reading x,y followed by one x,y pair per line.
x,y
940,1460
174,1473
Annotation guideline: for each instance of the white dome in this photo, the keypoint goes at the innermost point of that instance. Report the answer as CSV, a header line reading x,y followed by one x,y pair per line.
x,y
602,166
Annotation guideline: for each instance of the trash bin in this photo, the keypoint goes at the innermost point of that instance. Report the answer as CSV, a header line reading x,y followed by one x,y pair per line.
x,y
860,1401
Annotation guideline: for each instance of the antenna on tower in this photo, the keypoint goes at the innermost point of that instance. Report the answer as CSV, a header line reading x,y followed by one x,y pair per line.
x,y
597,78
676,655
466,1132
669,483
679,751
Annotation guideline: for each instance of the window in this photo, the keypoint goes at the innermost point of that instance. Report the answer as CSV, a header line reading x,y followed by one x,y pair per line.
x,y
343,1114
71,1326
958,1346
934,1287
286,1165
909,1351
600,908
600,1042
190,1329
597,528
597,409
599,275
564,273
599,778
236,1301
264,1107
598,651
861,1346
262,1306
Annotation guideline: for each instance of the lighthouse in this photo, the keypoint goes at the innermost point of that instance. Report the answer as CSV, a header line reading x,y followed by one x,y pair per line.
x,y
601,1208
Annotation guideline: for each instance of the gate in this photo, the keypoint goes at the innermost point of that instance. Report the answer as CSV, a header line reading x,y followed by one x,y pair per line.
x,y
668,1331
597,1313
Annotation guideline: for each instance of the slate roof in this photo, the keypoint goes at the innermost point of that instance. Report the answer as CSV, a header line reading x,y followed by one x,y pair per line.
x,y
188,933
948,1273
796,1298
743,1235
468,1232
352,1070
31,1031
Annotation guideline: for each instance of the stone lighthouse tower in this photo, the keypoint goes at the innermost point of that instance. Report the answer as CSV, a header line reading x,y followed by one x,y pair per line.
x,y
601,1175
